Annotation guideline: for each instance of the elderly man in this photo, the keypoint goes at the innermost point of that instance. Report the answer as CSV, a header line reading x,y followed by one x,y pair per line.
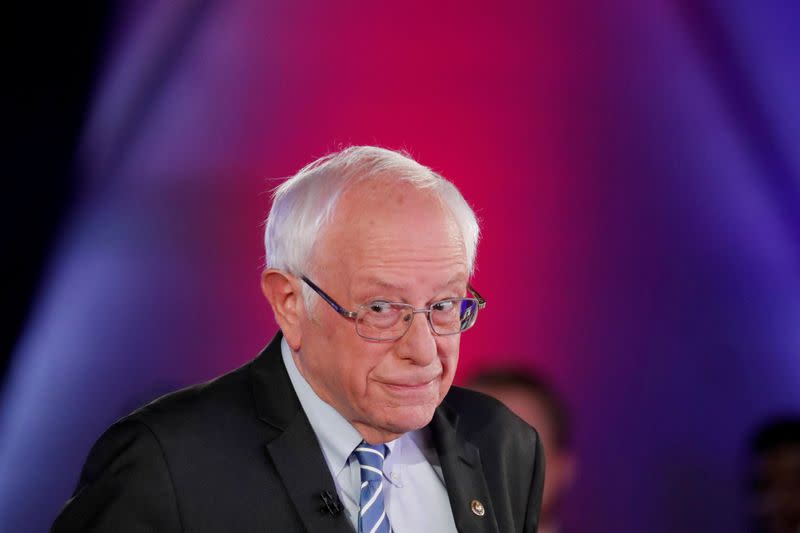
x,y
347,421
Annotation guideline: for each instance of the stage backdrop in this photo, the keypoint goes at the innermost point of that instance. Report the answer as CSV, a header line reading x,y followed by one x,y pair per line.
x,y
635,166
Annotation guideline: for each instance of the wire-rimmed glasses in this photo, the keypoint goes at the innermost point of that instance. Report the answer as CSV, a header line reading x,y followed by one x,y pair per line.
x,y
381,320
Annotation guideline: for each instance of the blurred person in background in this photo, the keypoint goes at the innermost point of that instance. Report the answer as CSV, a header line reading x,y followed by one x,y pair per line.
x,y
531,398
775,471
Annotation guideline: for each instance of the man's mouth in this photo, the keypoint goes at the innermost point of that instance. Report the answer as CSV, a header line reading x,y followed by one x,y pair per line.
x,y
410,386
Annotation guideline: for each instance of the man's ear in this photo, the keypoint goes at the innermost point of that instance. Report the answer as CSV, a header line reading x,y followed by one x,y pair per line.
x,y
283,292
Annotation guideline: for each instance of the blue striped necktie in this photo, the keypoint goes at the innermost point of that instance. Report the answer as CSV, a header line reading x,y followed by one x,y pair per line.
x,y
372,514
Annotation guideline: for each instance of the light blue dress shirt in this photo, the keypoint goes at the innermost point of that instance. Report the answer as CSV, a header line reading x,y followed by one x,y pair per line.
x,y
415,496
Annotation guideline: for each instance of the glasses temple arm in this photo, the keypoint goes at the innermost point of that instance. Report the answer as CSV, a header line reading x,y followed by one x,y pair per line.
x,y
336,307
481,300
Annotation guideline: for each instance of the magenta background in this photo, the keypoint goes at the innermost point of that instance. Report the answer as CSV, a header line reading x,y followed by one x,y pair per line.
x,y
635,167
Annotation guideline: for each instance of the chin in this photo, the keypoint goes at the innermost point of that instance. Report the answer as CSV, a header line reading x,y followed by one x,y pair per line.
x,y
407,418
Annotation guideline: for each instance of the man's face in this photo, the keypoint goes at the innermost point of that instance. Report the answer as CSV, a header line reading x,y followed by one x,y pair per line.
x,y
391,243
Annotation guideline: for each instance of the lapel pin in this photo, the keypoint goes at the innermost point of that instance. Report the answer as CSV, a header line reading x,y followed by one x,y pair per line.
x,y
477,508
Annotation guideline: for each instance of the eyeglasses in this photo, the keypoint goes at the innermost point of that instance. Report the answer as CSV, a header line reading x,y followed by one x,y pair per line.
x,y
380,320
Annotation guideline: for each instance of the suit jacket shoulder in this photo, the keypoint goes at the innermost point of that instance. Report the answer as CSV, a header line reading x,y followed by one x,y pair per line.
x,y
485,420
206,458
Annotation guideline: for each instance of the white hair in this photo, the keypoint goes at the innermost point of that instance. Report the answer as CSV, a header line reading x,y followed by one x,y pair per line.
x,y
305,202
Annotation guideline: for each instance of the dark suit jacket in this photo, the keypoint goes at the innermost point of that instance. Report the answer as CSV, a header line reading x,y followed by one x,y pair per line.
x,y
238,454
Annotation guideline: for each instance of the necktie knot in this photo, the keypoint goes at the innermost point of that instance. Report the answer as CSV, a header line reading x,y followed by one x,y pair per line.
x,y
370,458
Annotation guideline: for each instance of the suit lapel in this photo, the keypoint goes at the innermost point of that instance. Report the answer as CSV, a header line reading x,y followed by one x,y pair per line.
x,y
463,475
299,462
295,451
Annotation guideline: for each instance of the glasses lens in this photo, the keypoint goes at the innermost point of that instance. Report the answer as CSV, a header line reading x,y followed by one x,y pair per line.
x,y
453,316
383,320
469,313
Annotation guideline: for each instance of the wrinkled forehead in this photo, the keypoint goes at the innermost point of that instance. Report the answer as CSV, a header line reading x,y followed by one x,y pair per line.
x,y
376,206
389,218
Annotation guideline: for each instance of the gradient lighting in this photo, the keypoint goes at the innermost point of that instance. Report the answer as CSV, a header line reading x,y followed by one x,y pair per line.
x,y
635,168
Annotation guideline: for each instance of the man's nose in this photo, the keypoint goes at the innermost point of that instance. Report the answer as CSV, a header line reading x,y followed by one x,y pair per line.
x,y
418,344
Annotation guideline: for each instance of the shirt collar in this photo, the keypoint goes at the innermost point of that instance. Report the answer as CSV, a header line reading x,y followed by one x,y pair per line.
x,y
337,437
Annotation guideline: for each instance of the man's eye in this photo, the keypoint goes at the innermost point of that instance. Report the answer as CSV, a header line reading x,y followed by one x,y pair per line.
x,y
379,307
443,306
